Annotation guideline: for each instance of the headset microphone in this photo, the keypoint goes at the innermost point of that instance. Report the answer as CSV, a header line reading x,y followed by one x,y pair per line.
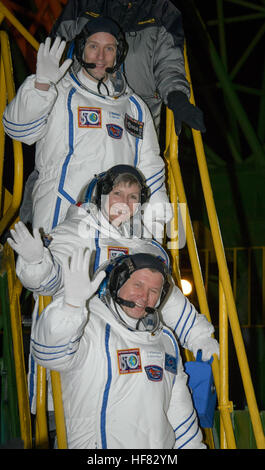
x,y
150,310
126,303
88,65
109,69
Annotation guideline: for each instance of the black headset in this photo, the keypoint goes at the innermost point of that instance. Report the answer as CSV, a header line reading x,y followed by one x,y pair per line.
x,y
114,29
102,184
119,270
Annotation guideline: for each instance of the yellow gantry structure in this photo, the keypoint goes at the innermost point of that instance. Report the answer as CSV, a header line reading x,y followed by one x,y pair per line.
x,y
228,316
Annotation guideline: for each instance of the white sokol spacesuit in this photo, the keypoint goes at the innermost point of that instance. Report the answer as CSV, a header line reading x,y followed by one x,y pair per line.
x,y
87,227
79,132
122,389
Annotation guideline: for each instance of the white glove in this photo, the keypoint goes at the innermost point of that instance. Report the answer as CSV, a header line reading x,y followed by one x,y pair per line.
x,y
208,346
78,287
48,60
29,247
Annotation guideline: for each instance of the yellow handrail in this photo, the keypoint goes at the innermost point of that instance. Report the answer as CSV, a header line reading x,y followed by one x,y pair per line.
x,y
226,283
225,406
5,13
224,279
57,395
7,87
195,263
232,255
42,439
14,288
58,410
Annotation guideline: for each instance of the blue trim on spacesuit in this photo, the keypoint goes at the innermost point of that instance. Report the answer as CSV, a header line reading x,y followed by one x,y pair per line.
x,y
32,370
79,83
31,380
184,308
173,339
185,432
187,332
66,162
75,79
185,324
192,437
140,118
157,189
160,177
164,254
154,182
50,353
153,176
56,212
21,132
98,249
106,391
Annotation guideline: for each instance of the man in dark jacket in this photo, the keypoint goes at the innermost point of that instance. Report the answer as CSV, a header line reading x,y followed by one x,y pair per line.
x,y
154,65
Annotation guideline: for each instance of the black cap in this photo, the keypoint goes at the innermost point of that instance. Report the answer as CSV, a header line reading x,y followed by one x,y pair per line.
x,y
102,24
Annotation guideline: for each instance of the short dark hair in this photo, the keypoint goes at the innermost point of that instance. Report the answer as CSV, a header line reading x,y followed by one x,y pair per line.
x,y
126,178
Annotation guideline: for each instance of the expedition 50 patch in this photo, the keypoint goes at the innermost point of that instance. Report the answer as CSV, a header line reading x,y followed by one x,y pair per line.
x,y
89,117
129,361
114,251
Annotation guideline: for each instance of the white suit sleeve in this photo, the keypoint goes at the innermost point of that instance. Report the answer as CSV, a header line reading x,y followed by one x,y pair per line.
x,y
25,117
44,278
158,208
56,335
150,163
181,316
184,421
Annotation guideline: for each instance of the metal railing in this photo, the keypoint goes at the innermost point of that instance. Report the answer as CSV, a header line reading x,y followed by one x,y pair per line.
x,y
14,291
249,262
8,89
9,207
227,307
8,92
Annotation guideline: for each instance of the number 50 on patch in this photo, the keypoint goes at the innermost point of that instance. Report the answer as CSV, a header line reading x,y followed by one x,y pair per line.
x,y
129,361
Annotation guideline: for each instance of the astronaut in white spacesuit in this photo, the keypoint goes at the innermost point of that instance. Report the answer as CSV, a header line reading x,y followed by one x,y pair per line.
x,y
122,377
120,191
84,119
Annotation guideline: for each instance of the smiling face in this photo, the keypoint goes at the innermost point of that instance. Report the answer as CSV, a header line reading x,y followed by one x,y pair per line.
x,y
122,202
143,288
100,49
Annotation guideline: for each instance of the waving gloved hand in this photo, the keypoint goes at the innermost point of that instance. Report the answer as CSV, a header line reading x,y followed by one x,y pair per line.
x,y
78,287
29,247
184,111
208,346
48,61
